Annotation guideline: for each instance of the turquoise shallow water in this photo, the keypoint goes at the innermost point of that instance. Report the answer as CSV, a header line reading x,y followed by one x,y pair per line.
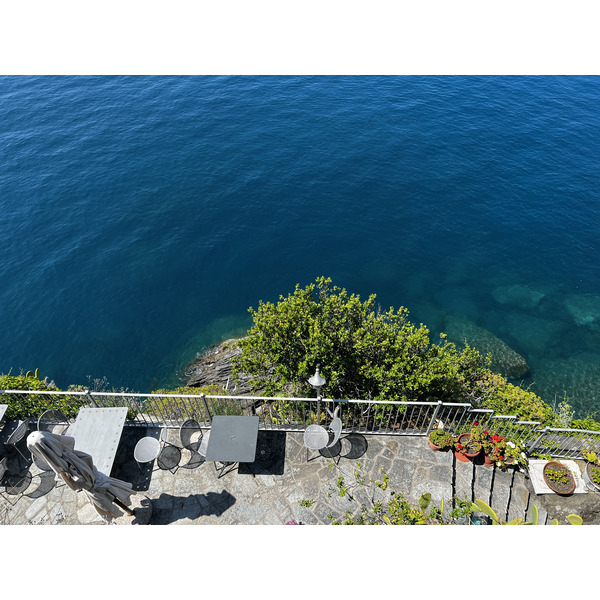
x,y
144,215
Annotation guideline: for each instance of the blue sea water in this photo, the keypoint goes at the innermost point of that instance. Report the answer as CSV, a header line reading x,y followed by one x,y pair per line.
x,y
142,216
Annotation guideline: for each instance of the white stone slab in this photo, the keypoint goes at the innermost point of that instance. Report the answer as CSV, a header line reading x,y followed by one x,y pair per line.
x,y
537,478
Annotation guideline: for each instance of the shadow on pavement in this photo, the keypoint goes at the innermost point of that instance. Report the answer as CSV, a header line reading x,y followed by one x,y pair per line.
x,y
168,508
125,466
270,455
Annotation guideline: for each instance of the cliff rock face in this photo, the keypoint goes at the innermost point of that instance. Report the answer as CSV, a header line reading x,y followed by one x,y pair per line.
x,y
214,367
504,359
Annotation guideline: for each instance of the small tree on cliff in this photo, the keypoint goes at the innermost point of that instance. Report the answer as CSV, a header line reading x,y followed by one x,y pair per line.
x,y
364,352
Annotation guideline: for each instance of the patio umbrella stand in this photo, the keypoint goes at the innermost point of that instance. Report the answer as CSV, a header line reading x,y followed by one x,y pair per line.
x,y
109,496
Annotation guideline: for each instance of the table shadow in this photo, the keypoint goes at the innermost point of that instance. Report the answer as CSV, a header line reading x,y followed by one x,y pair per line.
x,y
270,455
125,466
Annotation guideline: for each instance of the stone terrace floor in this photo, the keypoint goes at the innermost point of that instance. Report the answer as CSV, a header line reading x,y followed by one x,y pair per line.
x,y
283,477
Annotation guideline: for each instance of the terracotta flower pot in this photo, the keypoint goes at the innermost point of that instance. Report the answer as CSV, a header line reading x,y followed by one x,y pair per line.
x,y
465,455
588,474
434,447
487,460
564,489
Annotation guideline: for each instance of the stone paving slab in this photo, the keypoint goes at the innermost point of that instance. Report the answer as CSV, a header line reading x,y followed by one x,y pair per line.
x,y
272,497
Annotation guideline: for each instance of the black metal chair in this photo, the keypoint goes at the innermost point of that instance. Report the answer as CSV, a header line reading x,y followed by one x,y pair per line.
x,y
334,447
53,421
149,448
169,457
18,434
190,437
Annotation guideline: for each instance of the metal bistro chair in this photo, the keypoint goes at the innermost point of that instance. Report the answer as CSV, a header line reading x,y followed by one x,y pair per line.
x,y
334,447
191,438
149,448
17,435
53,421
323,439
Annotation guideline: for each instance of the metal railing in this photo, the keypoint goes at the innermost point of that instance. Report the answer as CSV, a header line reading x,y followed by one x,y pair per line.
x,y
295,414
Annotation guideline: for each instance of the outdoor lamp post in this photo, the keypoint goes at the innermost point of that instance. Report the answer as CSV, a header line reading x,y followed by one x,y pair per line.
x,y
318,382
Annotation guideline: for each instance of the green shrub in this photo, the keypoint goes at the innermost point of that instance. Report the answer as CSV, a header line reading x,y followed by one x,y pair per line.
x,y
33,405
366,353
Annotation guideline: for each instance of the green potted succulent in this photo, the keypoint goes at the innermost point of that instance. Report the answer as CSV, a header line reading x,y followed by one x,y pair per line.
x,y
591,473
558,478
440,439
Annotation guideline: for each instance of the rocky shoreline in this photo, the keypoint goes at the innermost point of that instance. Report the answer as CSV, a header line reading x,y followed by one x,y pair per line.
x,y
214,367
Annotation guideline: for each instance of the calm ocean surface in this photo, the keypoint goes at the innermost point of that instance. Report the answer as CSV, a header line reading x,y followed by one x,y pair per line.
x,y
142,216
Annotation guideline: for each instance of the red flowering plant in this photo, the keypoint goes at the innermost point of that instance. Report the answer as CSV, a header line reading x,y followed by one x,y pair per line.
x,y
480,435
503,451
495,447
469,444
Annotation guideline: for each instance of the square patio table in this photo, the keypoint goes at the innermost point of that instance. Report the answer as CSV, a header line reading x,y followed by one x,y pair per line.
x,y
232,440
97,432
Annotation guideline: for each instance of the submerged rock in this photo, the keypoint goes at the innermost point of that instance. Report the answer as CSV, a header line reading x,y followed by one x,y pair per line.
x,y
584,308
535,334
518,295
504,359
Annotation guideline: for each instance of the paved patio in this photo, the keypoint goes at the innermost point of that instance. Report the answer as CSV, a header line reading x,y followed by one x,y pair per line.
x,y
283,477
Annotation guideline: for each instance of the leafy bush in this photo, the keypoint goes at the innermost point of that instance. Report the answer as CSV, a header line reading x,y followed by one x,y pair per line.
x,y
33,405
508,399
365,353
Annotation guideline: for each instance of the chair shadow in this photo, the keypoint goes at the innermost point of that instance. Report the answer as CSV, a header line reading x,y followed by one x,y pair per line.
x,y
358,447
168,508
47,482
270,455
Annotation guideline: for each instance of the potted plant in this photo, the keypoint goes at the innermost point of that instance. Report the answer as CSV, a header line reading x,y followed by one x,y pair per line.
x,y
591,473
440,439
493,445
467,447
559,478
513,456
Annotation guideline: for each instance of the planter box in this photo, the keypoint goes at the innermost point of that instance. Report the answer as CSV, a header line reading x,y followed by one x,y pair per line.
x,y
536,467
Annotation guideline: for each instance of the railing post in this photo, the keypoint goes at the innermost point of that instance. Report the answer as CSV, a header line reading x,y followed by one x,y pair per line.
x,y
433,418
534,444
90,398
203,398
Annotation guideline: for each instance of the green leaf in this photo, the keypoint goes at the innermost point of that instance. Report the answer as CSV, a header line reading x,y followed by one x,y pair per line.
x,y
535,515
487,509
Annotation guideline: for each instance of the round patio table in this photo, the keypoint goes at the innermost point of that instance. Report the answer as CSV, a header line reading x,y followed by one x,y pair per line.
x,y
315,437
